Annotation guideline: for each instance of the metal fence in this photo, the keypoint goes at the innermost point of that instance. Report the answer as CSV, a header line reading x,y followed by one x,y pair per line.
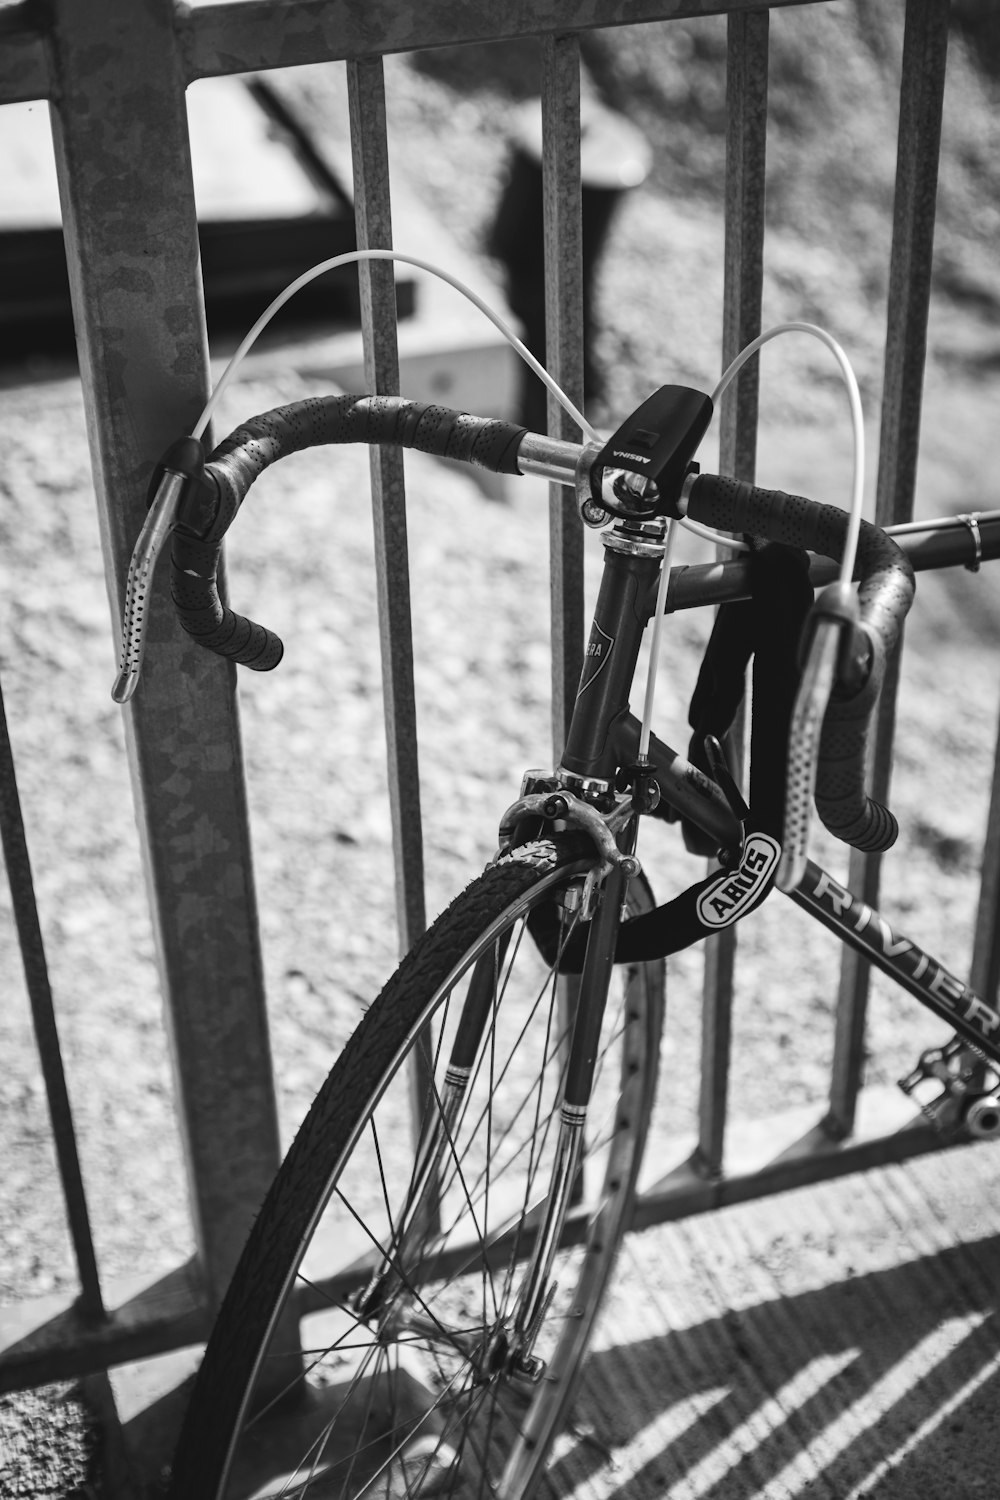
x,y
115,75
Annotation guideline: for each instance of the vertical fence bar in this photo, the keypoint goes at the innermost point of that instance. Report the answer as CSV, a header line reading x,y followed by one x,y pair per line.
x,y
373,216
563,231
122,155
36,978
985,971
373,220
562,219
925,49
746,132
746,143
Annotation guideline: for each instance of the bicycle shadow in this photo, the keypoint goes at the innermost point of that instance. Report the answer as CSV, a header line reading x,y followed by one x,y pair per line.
x,y
883,1384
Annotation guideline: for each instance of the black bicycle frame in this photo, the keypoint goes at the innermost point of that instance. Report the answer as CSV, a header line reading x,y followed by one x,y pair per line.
x,y
923,976
604,736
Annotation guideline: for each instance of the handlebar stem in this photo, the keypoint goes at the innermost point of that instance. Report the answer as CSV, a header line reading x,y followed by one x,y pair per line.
x,y
549,458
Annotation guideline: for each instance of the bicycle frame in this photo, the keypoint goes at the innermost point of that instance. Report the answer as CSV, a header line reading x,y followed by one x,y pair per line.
x,y
923,976
604,736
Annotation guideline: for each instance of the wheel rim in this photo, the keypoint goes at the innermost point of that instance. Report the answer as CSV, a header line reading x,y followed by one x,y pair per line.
x,y
416,1380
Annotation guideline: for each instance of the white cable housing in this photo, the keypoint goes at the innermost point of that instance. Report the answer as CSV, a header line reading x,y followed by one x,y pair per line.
x,y
857,421
423,265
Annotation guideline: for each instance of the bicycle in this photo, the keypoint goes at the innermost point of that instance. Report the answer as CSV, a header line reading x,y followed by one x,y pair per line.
x,y
443,1355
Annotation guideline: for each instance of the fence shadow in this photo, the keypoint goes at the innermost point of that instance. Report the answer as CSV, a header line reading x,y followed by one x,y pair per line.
x,y
886,1383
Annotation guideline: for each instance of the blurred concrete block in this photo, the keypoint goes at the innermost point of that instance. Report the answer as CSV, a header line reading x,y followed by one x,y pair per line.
x,y
449,351
273,198
263,219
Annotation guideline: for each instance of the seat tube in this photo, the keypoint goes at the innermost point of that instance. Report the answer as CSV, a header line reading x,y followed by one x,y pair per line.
x,y
633,553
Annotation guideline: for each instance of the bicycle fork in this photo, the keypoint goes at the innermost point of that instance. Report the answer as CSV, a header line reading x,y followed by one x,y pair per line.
x,y
420,1217
536,1289
511,1343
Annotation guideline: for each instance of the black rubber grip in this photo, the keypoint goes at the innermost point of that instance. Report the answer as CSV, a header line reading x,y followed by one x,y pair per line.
x,y
885,593
194,588
241,457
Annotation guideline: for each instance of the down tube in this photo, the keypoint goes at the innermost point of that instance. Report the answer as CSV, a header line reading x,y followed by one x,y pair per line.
x,y
864,929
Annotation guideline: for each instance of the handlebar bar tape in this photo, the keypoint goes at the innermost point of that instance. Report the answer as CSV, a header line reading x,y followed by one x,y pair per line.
x,y
244,455
884,595
248,451
194,588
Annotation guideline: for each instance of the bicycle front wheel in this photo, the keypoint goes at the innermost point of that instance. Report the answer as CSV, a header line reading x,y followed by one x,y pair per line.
x,y
372,1341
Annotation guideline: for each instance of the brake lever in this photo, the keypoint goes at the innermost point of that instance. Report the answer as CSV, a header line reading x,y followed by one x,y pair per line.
x,y
156,529
179,476
834,655
811,701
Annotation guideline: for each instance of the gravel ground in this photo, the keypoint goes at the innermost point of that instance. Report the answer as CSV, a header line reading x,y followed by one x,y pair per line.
x,y
49,1447
313,730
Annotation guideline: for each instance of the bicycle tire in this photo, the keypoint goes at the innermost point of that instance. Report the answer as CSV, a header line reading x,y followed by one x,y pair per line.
x,y
423,1400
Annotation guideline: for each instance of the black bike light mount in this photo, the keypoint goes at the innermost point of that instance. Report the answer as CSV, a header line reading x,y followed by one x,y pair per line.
x,y
656,445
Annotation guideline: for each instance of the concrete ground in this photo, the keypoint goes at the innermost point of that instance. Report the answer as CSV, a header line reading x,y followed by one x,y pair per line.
x,y
838,1341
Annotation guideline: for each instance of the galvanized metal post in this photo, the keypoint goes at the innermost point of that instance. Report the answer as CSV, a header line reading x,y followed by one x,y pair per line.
x,y
373,218
562,229
746,132
562,208
984,974
746,145
36,977
124,170
925,50
370,152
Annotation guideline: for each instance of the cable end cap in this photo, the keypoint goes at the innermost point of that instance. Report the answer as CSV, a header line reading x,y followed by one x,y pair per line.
x,y
125,685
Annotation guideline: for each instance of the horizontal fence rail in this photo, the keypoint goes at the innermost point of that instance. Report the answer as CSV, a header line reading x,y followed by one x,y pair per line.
x,y
256,35
140,325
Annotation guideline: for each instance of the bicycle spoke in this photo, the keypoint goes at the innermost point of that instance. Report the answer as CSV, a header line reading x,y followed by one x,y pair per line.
x,y
381,1178
527,1145
530,1144
364,1428
468,1429
526,1025
425,1358
546,1058
534,1156
400,1272
286,1390
357,1378
487,1273
386,1466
